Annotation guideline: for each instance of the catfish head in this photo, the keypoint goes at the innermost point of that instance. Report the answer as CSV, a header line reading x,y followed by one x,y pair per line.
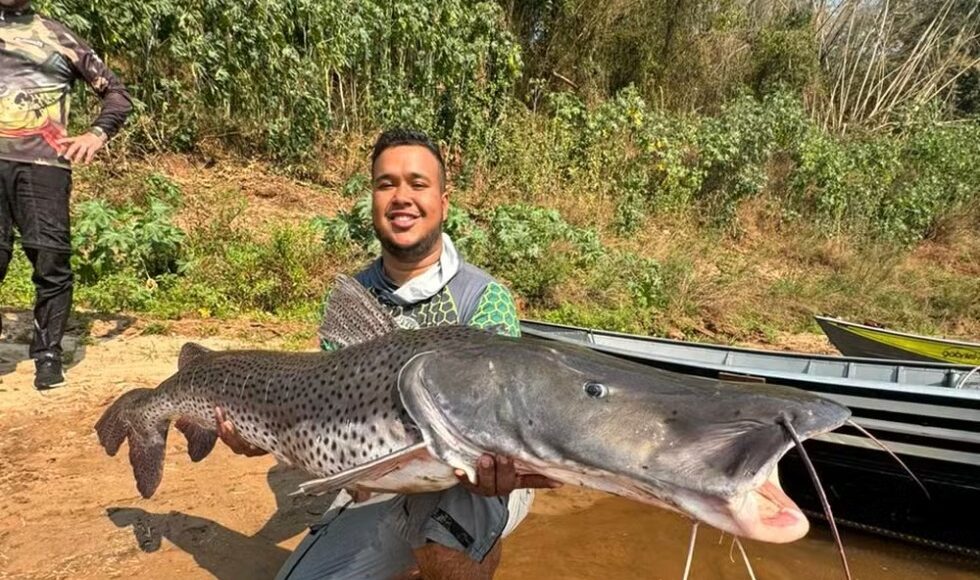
x,y
703,447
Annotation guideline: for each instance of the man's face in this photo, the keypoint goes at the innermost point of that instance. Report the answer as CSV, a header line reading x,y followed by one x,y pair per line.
x,y
409,204
15,4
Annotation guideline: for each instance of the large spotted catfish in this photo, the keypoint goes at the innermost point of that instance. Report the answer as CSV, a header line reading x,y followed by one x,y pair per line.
x,y
399,410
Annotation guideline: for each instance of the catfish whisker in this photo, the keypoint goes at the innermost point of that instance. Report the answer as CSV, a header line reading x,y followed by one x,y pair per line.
x,y
745,557
690,550
890,452
820,492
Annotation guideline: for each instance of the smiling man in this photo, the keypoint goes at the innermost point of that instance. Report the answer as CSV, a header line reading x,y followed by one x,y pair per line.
x,y
423,281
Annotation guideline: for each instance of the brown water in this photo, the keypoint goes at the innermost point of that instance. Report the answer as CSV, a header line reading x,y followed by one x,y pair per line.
x,y
578,534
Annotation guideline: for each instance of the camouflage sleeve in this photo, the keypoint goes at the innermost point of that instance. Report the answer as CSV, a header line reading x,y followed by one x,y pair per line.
x,y
496,308
116,102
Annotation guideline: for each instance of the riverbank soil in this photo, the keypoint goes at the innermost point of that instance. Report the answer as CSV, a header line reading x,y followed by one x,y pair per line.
x,y
69,511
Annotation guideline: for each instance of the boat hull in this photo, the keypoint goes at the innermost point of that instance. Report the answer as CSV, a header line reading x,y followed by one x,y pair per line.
x,y
859,340
871,494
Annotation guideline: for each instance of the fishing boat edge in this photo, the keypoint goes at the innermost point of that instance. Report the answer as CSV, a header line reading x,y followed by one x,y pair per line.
x,y
859,340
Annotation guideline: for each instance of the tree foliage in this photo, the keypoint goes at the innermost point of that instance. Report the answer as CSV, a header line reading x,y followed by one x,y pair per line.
x,y
279,76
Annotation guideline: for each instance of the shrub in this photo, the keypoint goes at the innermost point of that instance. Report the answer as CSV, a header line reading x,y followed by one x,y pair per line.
x,y
277,77
141,239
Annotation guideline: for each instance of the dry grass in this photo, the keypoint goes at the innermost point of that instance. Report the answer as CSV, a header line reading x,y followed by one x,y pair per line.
x,y
765,280
258,197
775,275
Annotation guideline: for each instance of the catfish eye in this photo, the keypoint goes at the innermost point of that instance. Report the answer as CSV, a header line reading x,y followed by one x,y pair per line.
x,y
595,390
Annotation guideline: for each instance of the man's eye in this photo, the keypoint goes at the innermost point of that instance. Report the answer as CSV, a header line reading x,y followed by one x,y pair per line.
x,y
419,184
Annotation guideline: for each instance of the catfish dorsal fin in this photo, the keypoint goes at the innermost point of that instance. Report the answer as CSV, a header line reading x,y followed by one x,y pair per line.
x,y
190,352
352,315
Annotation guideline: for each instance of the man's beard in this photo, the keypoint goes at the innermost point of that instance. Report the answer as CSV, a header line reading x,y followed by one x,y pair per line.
x,y
411,253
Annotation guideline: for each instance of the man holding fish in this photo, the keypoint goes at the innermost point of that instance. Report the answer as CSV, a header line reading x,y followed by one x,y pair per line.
x,y
422,281
405,411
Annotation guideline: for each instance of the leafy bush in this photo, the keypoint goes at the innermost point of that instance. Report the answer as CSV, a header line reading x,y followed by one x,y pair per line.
x,y
118,291
357,186
17,289
278,76
534,249
139,239
467,235
348,228
278,275
645,280
895,187
735,146
785,55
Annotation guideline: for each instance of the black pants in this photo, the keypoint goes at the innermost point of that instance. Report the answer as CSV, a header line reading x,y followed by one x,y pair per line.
x,y
34,198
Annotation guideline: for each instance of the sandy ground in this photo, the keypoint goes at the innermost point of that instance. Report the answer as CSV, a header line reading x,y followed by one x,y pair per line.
x,y
69,511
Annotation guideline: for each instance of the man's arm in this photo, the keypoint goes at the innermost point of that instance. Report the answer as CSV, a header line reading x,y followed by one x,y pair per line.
x,y
497,310
116,102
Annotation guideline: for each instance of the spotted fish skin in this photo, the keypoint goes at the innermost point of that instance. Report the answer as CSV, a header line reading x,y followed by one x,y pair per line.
x,y
324,412
399,410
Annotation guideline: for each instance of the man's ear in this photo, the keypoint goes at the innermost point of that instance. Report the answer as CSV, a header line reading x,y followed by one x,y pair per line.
x,y
445,205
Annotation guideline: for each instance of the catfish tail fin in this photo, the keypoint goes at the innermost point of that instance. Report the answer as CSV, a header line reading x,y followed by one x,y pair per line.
x,y
131,417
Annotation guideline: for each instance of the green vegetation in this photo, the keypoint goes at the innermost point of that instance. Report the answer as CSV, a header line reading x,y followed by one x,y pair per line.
x,y
719,168
278,78
134,258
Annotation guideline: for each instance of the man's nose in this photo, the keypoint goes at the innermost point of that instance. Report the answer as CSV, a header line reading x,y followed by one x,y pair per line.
x,y
402,195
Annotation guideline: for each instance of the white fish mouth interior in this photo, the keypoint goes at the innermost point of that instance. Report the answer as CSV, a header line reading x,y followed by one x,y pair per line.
x,y
762,512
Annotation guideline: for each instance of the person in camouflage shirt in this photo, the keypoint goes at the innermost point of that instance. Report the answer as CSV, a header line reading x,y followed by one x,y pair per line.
x,y
470,297
40,60
422,281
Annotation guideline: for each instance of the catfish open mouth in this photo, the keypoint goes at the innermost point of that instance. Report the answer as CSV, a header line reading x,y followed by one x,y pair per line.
x,y
769,515
764,513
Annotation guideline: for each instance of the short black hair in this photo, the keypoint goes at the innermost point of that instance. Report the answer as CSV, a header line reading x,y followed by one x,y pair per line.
x,y
401,136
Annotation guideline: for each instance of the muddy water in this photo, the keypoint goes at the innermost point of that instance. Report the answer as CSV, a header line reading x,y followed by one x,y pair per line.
x,y
578,534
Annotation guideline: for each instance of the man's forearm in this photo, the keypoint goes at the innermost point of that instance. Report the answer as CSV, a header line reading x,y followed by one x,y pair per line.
x,y
116,102
116,107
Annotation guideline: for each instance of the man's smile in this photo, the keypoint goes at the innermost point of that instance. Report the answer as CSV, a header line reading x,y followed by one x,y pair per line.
x,y
402,220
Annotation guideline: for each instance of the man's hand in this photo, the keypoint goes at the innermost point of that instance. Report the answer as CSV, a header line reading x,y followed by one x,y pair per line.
x,y
496,475
228,434
81,149
359,495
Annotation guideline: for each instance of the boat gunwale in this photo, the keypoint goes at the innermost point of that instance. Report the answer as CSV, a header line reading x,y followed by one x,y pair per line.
x,y
842,382
936,365
947,341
